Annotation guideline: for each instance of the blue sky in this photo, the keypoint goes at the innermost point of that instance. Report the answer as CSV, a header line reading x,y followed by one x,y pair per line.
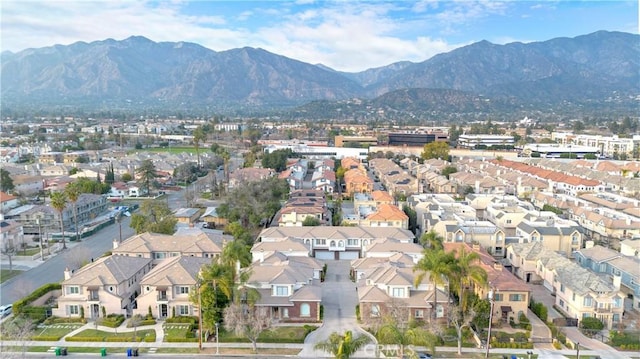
x,y
346,35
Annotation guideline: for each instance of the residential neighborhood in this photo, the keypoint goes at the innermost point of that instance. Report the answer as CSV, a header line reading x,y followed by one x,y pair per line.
x,y
424,242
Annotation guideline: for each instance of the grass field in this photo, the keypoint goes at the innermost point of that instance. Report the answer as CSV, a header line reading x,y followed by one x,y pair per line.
x,y
56,330
6,274
170,150
109,336
274,335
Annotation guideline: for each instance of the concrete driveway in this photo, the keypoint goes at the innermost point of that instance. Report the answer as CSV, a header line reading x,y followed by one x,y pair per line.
x,y
339,298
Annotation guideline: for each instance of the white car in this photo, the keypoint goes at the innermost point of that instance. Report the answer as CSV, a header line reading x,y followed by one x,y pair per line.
x,y
5,310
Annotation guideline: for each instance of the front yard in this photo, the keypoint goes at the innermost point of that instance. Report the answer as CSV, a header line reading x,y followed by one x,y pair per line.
x,y
283,334
94,335
54,332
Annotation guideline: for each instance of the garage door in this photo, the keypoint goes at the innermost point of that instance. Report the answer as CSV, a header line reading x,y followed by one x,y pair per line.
x,y
349,255
324,255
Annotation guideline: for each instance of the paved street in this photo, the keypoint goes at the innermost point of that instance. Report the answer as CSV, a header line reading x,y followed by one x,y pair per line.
x,y
51,271
339,298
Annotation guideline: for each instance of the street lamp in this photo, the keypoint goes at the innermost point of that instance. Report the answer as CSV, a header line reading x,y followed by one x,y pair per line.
x,y
217,340
578,350
119,220
486,355
40,236
199,286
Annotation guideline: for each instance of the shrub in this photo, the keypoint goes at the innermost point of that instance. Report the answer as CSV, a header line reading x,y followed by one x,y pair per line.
x,y
308,329
185,319
321,311
46,338
58,320
540,310
84,339
358,312
557,345
591,323
20,304
112,320
36,314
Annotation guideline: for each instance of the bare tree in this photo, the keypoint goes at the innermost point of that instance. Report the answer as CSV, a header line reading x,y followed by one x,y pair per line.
x,y
460,319
9,250
20,331
247,320
77,257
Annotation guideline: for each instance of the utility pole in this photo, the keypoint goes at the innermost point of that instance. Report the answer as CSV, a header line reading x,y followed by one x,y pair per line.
x,y
490,320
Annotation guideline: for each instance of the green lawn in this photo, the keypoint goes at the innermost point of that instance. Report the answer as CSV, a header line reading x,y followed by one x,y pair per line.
x,y
288,334
6,274
177,332
177,350
55,331
170,150
95,335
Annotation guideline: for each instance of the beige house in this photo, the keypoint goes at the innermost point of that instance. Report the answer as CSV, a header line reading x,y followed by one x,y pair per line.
x,y
510,295
166,288
190,242
555,234
112,283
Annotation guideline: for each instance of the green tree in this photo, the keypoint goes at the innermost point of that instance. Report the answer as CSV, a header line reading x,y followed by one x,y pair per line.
x,y
126,177
147,174
449,170
310,221
198,136
154,216
467,272
342,346
439,265
398,331
72,191
435,150
216,290
6,182
277,159
413,217
110,175
432,240
578,126
59,202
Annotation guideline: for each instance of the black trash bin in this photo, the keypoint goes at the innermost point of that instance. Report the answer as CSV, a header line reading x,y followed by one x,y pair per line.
x,y
135,352
63,351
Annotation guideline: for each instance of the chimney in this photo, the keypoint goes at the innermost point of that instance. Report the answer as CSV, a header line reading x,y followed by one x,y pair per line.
x,y
477,187
67,273
115,243
261,255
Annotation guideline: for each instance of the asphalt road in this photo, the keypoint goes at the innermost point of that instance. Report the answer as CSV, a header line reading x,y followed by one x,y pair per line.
x,y
52,271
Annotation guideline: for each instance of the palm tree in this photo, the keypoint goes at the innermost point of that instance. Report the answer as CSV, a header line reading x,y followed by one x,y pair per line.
x,y
59,202
467,272
439,264
432,240
342,346
198,136
73,193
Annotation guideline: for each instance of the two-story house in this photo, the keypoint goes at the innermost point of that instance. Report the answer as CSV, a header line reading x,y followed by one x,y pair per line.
x,y
167,287
112,283
288,286
185,242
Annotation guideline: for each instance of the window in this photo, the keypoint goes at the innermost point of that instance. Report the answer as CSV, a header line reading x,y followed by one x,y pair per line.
x,y
73,290
158,255
352,242
340,243
439,311
397,292
586,315
498,297
321,242
282,290
516,298
183,310
617,302
332,244
561,303
305,310
183,290
365,243
562,288
73,309
419,313
375,310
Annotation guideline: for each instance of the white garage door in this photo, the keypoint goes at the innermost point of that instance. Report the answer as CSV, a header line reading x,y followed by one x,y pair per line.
x,y
349,255
324,255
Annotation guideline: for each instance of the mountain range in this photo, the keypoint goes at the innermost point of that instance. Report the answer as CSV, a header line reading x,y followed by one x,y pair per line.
x,y
597,69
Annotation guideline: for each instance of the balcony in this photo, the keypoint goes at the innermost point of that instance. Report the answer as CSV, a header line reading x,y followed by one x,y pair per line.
x,y
603,309
163,297
93,297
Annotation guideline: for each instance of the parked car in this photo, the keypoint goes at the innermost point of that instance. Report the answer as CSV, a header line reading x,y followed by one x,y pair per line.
x,y
5,310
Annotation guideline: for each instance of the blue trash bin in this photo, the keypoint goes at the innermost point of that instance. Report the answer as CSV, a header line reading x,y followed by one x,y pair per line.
x,y
129,352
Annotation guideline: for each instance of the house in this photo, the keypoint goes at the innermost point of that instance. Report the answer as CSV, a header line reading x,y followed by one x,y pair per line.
x,y
27,185
185,242
7,202
390,289
387,247
245,175
375,210
623,271
555,234
357,181
112,283
11,235
361,265
288,286
485,233
510,295
212,219
166,288
118,190
187,216
630,247
329,242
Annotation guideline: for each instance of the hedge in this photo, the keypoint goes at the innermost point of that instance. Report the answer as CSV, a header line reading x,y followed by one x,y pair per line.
x,y
58,320
84,339
180,340
142,322
495,344
21,303
112,320
37,314
184,320
46,338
